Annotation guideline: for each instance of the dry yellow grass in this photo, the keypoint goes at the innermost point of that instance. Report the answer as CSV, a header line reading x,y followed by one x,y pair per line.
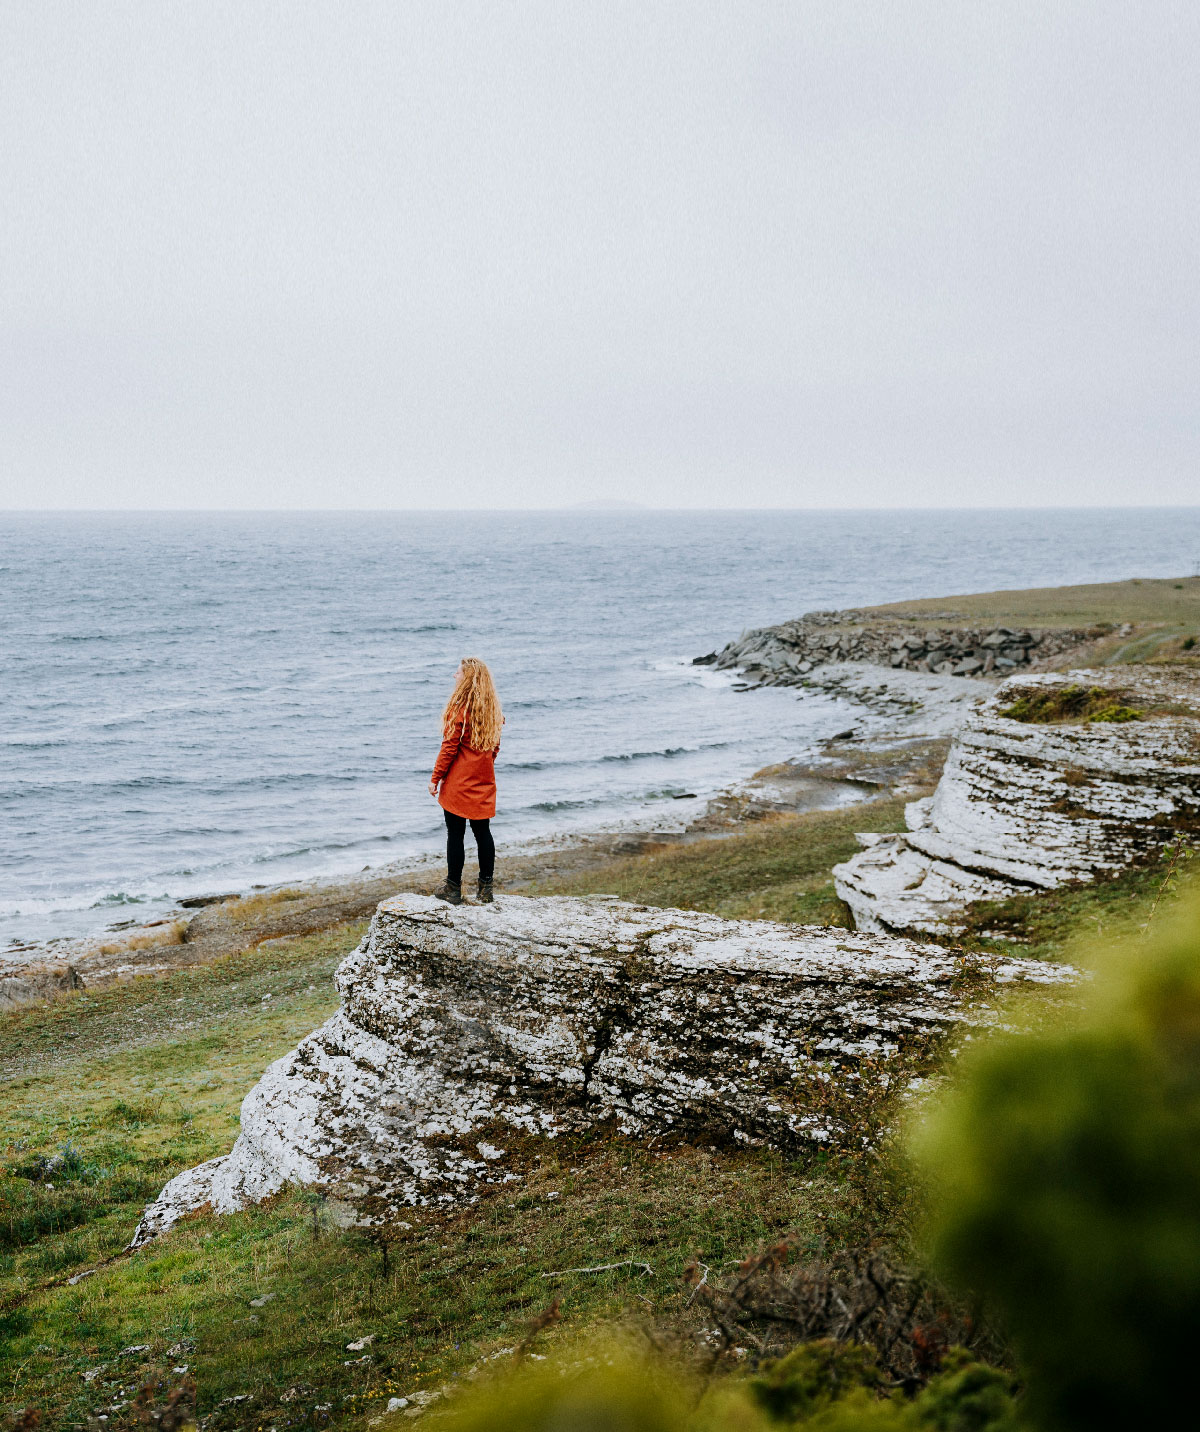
x,y
169,934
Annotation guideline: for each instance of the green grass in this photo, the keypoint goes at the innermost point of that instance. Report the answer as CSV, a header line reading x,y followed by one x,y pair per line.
x,y
1164,612
456,1288
1171,600
140,1081
202,996
779,870
1049,924
132,1084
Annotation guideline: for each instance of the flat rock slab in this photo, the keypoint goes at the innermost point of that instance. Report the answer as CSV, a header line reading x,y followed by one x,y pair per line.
x,y
460,1026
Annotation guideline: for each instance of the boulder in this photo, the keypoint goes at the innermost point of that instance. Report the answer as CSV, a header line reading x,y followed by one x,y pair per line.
x,y
461,1027
35,985
1024,806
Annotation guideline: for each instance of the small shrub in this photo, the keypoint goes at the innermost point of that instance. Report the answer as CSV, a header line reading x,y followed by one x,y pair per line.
x,y
1115,712
821,1386
968,1396
65,1164
1070,703
811,1377
856,1298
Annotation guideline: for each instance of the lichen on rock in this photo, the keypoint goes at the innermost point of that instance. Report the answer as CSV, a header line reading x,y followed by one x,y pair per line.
x,y
461,1026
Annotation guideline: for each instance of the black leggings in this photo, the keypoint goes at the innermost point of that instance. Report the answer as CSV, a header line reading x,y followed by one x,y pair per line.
x,y
456,831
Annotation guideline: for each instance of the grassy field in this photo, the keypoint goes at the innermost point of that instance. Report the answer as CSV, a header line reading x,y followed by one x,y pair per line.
x,y
1163,611
1174,600
107,1095
779,870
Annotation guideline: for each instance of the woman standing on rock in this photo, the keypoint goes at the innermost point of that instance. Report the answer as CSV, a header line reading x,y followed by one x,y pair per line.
x,y
465,772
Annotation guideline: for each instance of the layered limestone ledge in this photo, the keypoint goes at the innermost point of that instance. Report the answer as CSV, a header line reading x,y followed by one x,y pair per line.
x,y
463,1026
1026,806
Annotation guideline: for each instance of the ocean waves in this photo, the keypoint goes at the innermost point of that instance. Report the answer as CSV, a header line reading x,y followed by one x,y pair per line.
x,y
665,753
194,701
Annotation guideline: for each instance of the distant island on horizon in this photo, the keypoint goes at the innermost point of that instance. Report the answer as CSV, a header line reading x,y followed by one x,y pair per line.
x,y
606,504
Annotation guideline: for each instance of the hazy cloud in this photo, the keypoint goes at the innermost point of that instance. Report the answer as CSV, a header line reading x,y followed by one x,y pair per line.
x,y
432,254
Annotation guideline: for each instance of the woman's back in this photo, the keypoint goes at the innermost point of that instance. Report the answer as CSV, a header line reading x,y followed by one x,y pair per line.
x,y
469,777
464,775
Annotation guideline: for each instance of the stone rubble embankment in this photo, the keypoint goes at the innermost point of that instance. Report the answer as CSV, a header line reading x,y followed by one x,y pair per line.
x,y
784,655
463,1028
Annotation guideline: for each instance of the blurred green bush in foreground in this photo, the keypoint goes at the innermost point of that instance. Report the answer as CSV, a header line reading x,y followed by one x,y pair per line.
x,y
819,1386
1065,1188
1063,1178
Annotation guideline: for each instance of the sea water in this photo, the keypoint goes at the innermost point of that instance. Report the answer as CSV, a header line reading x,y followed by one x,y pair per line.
x,y
193,702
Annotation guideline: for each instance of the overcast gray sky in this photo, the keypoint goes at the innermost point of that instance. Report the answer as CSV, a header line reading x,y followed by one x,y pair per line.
x,y
745,254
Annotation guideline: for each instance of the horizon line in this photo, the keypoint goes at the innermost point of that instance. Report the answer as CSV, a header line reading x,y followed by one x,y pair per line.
x,y
586,509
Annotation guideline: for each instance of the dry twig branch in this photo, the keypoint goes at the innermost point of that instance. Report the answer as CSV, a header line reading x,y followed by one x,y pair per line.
x,y
603,1268
699,1285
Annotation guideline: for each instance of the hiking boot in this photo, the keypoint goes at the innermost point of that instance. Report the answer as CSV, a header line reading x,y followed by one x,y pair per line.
x,y
483,892
450,891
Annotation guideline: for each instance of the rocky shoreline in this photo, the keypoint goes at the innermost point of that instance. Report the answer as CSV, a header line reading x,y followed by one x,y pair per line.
x,y
785,654
896,746
903,671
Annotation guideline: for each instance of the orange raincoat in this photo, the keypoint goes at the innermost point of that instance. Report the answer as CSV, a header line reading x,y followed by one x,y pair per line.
x,y
468,776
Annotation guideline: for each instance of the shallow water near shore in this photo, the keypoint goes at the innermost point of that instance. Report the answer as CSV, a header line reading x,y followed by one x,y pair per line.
x,y
207,701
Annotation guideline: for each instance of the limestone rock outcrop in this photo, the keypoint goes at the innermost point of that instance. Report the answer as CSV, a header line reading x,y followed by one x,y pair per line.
x,y
462,1027
1026,805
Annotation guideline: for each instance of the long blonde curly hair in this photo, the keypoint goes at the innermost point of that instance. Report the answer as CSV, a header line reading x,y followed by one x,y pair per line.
x,y
474,700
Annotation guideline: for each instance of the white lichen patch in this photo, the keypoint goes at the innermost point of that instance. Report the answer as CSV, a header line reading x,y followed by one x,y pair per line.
x,y
1024,806
550,1016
